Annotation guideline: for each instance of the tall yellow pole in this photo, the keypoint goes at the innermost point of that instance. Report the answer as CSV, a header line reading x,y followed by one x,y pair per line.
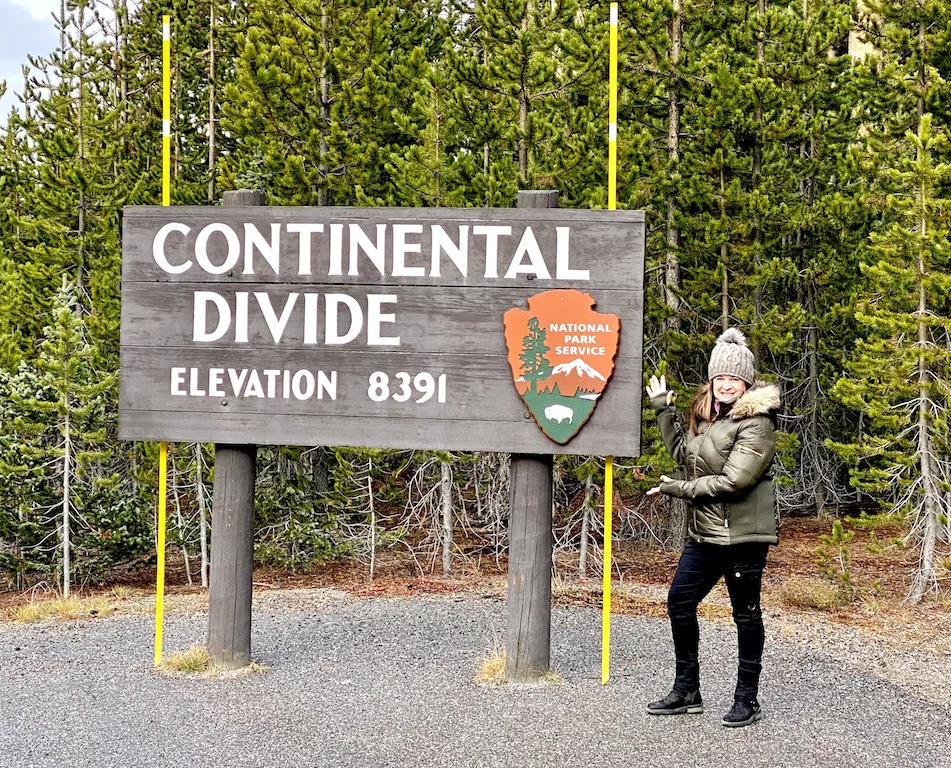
x,y
163,447
160,566
612,115
166,110
609,464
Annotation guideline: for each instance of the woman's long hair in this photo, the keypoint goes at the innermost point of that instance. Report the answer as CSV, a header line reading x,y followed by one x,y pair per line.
x,y
701,409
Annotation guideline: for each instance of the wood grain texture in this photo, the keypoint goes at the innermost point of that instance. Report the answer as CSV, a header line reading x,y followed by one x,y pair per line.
x,y
528,604
449,324
232,535
232,554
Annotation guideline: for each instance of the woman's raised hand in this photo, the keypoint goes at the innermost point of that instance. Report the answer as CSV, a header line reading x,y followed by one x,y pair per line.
x,y
657,387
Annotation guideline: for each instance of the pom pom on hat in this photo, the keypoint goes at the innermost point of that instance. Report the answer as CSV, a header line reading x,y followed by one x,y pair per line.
x,y
731,357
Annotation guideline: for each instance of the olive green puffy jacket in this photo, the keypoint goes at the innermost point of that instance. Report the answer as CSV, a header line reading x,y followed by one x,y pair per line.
x,y
726,468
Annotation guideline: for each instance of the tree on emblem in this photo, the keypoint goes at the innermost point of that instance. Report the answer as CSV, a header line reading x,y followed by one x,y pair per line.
x,y
535,365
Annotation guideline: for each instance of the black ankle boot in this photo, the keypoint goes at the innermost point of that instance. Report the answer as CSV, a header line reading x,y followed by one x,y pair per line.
x,y
743,712
677,704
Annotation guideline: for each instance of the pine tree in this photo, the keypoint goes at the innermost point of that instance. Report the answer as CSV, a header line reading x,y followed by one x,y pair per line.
x,y
904,445
899,374
70,424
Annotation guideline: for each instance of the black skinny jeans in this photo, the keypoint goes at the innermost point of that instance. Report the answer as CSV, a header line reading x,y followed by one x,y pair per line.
x,y
701,567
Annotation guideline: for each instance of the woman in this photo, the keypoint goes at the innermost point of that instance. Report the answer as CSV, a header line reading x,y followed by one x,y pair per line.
x,y
725,457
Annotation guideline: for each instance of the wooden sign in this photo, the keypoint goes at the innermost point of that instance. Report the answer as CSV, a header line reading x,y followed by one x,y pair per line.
x,y
380,327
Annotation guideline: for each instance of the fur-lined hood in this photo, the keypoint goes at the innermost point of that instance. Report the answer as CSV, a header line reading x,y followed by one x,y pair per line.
x,y
762,399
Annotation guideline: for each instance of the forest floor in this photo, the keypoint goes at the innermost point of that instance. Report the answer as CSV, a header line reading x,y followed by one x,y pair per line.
x,y
806,596
861,583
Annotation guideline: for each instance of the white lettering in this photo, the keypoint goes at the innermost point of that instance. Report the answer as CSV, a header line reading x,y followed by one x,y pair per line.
x,y
193,388
201,249
254,388
271,376
214,382
178,381
332,302
304,231
562,270
241,317
237,381
492,235
528,246
458,254
310,317
336,250
275,324
328,385
307,391
376,252
401,248
158,248
270,250
375,318
200,316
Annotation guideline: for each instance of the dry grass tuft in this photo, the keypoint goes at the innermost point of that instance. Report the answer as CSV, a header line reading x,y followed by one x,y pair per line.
x,y
811,593
492,670
65,609
197,662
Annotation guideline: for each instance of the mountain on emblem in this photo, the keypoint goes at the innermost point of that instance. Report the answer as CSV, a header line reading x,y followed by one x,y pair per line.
x,y
561,353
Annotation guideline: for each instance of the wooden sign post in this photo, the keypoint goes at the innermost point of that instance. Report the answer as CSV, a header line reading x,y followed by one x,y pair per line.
x,y
528,626
232,535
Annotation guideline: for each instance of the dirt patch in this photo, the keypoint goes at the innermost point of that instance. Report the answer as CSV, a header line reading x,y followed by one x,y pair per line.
x,y
879,570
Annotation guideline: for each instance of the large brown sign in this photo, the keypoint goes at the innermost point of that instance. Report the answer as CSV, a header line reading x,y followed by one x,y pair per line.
x,y
379,327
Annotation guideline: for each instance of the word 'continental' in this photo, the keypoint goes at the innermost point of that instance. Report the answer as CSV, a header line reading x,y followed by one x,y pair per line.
x,y
392,250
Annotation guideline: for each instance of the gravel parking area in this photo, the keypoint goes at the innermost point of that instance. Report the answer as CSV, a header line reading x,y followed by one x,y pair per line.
x,y
388,682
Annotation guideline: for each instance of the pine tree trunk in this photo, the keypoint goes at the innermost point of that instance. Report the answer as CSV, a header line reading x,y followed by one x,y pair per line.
x,y
211,102
67,451
757,173
585,527
446,499
724,255
523,103
180,519
322,169
372,519
202,513
81,149
812,395
672,268
924,578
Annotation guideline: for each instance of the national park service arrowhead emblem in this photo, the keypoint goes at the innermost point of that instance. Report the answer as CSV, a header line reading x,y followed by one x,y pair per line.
x,y
562,356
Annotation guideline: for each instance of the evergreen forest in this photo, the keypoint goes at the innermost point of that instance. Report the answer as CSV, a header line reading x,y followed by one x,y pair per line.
x,y
792,158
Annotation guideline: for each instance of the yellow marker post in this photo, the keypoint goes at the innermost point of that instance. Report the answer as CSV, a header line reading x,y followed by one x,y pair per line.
x,y
166,110
609,463
606,598
160,566
163,447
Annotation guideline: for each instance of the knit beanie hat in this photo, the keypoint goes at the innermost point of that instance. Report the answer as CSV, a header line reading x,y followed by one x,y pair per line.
x,y
731,357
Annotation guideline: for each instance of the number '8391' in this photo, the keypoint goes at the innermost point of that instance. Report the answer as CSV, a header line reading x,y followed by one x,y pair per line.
x,y
406,386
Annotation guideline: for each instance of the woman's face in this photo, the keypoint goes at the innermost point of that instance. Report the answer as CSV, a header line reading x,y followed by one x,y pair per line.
x,y
726,389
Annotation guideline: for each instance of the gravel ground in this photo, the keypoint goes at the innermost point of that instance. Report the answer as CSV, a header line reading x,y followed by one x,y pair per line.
x,y
388,682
